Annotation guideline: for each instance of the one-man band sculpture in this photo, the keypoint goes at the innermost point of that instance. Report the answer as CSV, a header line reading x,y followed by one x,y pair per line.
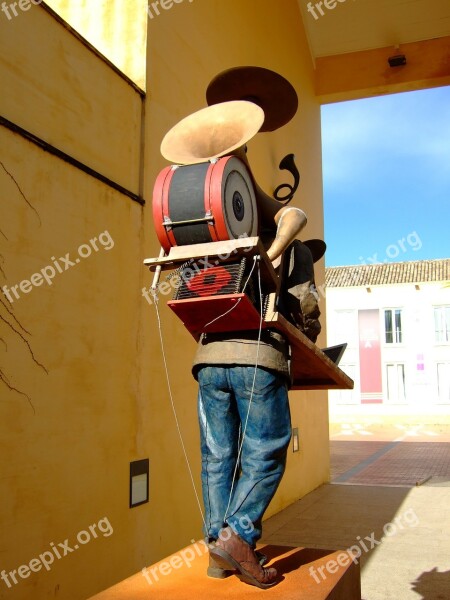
x,y
246,292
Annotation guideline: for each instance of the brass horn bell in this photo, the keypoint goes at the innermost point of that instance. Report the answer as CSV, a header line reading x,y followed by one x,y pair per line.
x,y
220,130
212,132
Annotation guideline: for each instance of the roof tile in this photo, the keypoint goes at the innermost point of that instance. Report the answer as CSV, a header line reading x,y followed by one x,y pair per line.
x,y
419,271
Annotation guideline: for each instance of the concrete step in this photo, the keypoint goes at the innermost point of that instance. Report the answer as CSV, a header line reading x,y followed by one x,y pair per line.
x,y
304,573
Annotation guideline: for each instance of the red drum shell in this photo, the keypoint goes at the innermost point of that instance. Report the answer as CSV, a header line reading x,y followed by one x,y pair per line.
x,y
205,202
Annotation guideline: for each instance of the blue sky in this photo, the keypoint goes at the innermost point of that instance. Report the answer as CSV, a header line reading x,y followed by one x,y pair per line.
x,y
386,166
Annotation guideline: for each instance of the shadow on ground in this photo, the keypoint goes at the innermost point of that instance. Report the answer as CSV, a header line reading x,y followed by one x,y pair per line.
x,y
433,585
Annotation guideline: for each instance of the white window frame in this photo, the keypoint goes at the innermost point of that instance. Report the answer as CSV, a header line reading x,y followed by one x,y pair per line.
x,y
444,309
397,334
399,398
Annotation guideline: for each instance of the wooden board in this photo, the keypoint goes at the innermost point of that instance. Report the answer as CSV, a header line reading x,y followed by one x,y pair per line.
x,y
219,313
225,251
311,369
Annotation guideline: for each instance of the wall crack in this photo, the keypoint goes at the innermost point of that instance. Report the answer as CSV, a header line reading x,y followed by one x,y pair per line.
x,y
21,193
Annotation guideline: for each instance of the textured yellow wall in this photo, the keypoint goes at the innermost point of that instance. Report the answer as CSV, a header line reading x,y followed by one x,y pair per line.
x,y
116,28
57,89
65,452
104,401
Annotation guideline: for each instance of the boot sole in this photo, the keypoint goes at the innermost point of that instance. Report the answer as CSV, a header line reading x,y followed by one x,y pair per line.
x,y
227,562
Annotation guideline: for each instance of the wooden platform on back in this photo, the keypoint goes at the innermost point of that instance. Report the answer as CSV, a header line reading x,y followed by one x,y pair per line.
x,y
311,369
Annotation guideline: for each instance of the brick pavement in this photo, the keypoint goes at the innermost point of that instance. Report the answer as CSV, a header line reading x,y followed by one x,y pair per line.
x,y
389,463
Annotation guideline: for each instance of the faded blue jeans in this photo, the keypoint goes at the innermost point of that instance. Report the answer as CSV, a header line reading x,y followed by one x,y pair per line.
x,y
223,400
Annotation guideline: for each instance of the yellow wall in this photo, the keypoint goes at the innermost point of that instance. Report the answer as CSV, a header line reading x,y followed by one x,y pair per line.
x,y
104,401
65,453
116,28
57,89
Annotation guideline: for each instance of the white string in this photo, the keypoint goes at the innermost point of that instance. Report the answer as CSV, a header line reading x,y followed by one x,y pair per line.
x,y
251,393
223,314
174,409
256,262
237,303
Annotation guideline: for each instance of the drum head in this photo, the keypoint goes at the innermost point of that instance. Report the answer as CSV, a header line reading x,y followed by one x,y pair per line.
x,y
233,200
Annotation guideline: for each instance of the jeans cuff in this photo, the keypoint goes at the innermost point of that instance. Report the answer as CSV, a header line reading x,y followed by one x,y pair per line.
x,y
244,533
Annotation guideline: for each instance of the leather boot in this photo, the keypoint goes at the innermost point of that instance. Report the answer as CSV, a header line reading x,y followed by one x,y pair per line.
x,y
231,552
218,573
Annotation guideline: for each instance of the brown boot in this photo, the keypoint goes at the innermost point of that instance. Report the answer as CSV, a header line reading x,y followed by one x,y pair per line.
x,y
232,552
218,573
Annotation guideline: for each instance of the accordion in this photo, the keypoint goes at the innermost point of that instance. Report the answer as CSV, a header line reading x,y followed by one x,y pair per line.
x,y
218,297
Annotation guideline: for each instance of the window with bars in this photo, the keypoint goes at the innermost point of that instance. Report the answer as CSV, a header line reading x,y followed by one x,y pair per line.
x,y
442,324
393,326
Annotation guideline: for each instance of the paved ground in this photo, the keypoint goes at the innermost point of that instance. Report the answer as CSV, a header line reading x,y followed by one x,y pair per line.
x,y
389,463
390,500
403,535
362,454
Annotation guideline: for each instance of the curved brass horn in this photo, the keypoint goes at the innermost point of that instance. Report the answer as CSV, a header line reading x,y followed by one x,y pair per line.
x,y
212,132
290,221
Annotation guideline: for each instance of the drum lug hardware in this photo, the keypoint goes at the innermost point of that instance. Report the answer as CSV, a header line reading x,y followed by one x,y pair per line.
x,y
168,223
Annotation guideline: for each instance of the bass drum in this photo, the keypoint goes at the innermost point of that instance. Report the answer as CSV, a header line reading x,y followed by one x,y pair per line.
x,y
206,202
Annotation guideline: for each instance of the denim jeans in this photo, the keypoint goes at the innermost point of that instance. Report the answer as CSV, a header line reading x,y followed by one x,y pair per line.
x,y
223,400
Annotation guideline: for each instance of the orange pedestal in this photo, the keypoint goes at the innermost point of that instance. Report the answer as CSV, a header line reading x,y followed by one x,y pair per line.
x,y
304,573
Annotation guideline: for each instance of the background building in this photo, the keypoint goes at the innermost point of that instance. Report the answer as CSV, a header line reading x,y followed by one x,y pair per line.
x,y
395,318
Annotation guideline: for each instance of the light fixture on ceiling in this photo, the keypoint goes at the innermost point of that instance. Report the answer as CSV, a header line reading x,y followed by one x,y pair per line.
x,y
398,59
